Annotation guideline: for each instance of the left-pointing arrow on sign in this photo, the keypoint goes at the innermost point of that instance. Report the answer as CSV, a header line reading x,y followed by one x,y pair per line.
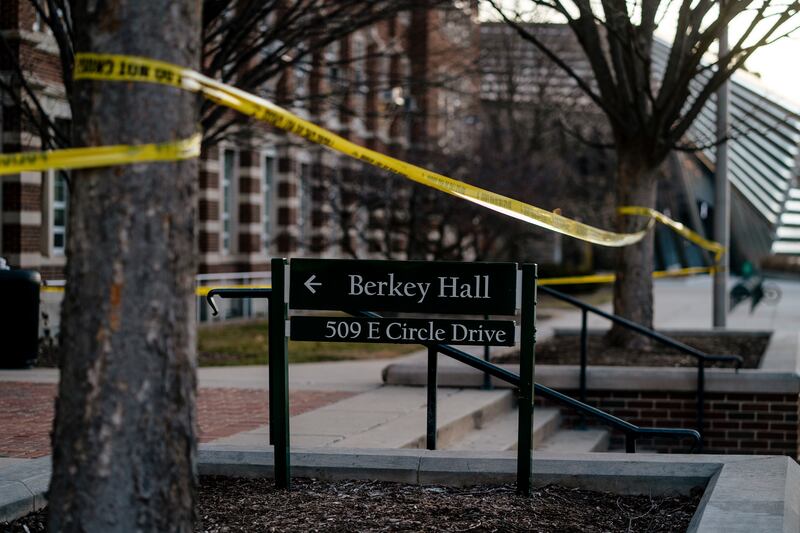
x,y
310,286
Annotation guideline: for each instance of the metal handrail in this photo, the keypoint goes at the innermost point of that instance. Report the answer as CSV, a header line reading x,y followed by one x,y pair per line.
x,y
699,355
647,332
632,431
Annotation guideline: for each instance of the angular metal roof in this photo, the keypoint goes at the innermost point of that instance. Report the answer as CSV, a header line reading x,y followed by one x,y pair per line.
x,y
764,153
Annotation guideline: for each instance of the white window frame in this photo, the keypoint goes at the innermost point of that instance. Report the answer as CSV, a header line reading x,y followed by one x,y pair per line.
x,y
332,63
268,198
51,205
359,61
228,209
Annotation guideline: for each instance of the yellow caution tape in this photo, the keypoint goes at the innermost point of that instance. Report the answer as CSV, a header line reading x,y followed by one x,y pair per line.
x,y
567,280
716,248
136,69
100,156
609,278
199,291
89,66
53,288
203,291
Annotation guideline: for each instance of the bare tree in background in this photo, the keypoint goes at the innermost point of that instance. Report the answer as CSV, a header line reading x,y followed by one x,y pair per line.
x,y
249,43
124,442
649,112
540,138
528,150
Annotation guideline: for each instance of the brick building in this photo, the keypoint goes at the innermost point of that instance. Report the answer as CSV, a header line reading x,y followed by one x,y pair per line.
x,y
263,193
33,205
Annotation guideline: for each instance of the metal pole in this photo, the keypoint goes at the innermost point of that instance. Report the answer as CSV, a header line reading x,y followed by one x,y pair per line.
x,y
271,302
584,349
487,356
722,217
526,362
279,374
432,369
701,398
630,443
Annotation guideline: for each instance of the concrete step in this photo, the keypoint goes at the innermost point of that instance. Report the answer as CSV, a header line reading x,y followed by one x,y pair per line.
x,y
501,433
576,441
459,411
387,417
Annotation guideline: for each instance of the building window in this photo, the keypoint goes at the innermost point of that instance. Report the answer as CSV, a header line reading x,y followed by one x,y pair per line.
x,y
58,213
332,60
228,200
304,209
267,188
360,86
302,77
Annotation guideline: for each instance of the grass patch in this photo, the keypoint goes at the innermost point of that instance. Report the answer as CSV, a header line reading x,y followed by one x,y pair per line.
x,y
245,343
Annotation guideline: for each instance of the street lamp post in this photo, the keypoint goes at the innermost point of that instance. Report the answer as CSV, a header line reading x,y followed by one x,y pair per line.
x,y
722,216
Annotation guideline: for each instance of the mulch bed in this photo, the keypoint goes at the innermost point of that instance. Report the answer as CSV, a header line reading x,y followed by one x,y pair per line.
x,y
565,350
229,505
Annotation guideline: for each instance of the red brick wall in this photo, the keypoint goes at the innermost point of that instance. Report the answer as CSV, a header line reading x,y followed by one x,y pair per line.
x,y
735,423
21,238
22,197
44,65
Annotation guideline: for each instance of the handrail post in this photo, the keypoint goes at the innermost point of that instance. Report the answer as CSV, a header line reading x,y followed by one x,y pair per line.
x,y
526,369
487,379
279,373
701,398
432,371
584,349
630,442
271,373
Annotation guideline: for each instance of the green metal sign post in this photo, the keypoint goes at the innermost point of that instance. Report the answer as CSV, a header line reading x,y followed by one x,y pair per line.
x,y
279,375
526,365
400,286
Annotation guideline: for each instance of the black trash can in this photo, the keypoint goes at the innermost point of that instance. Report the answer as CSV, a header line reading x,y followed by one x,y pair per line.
x,y
19,318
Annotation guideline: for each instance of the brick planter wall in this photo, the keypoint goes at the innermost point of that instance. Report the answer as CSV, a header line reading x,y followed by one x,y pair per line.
x,y
735,423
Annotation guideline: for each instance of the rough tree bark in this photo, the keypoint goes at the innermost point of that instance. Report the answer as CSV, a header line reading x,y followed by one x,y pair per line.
x,y
633,290
124,435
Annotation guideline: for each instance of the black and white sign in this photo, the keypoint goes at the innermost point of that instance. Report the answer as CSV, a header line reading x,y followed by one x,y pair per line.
x,y
403,330
403,286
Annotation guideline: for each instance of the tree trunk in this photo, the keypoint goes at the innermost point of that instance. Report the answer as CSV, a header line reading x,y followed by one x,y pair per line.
x,y
633,289
124,436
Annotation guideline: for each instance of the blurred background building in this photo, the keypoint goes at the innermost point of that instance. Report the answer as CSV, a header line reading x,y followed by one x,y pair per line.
x,y
435,86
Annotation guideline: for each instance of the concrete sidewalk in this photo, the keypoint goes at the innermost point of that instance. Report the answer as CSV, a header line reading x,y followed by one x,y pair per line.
x,y
686,303
351,376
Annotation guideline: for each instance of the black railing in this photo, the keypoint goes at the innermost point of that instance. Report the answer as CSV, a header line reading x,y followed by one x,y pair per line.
x,y
631,431
279,386
701,357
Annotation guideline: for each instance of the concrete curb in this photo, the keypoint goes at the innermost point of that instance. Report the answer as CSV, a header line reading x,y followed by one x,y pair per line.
x,y
23,487
742,493
746,494
612,472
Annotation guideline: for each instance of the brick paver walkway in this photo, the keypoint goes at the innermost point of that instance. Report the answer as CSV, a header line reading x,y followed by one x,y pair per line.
x,y
26,413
